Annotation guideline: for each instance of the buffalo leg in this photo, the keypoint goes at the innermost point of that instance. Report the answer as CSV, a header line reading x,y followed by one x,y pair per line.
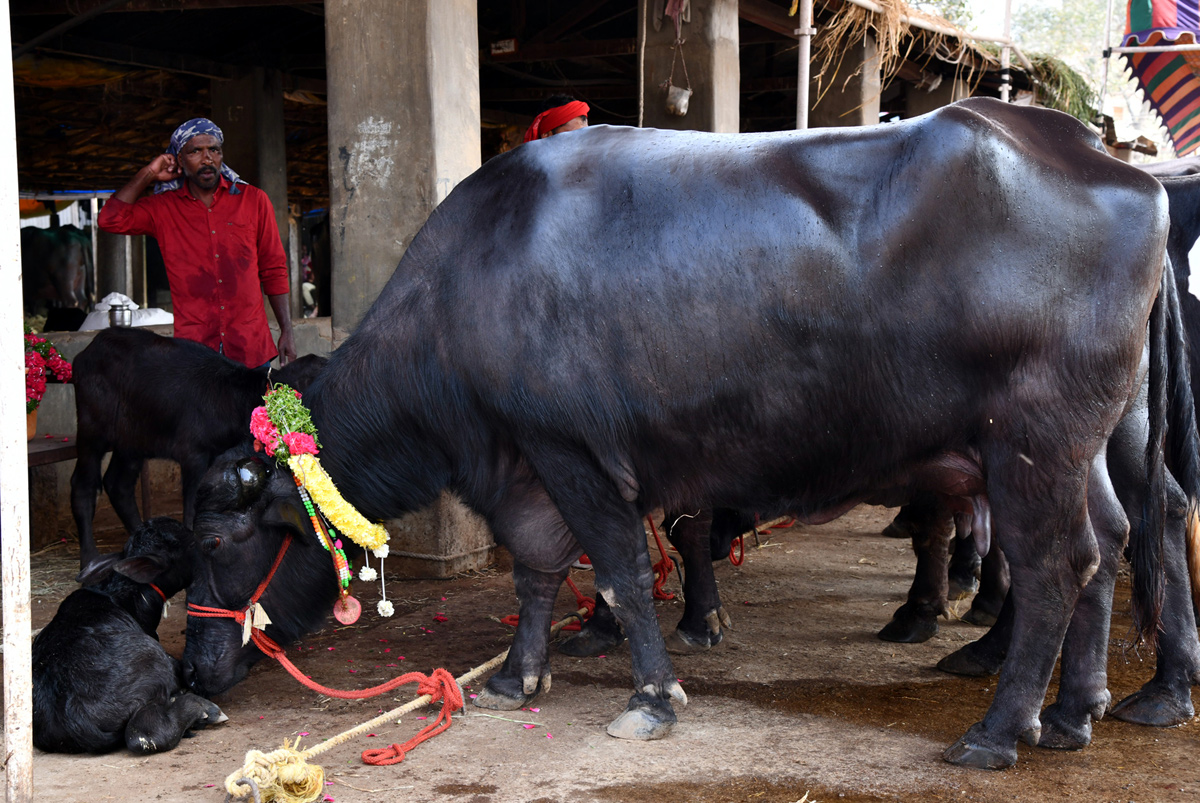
x,y
527,523
993,586
1166,699
965,563
610,530
984,656
1083,694
155,727
703,614
599,634
526,670
1052,552
930,523
85,486
120,483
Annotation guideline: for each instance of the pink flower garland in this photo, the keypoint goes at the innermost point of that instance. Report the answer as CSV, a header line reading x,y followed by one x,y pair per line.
x,y
263,430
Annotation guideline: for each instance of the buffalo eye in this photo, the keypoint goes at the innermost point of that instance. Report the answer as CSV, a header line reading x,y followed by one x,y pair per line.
x,y
210,543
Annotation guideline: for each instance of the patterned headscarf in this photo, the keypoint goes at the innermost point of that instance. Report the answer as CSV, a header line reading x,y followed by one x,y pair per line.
x,y
194,128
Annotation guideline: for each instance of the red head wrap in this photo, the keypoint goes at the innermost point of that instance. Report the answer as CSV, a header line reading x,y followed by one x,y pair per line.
x,y
551,119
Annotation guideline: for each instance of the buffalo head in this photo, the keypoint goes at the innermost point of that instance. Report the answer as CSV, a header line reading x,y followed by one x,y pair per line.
x,y
245,506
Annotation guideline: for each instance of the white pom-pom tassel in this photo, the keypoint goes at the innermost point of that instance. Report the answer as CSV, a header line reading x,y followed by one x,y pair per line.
x,y
367,574
381,552
384,608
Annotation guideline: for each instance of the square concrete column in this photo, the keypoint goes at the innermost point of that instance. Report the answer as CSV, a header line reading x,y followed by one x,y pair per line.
x,y
403,81
710,51
404,121
249,111
851,95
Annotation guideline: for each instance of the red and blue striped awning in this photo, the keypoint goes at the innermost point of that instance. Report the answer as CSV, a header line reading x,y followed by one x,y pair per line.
x,y
1171,81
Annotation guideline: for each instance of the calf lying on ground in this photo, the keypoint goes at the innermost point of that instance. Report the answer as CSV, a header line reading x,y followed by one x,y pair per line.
x,y
100,677
140,395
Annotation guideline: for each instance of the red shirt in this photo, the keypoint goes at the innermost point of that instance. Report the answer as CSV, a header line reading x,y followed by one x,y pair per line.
x,y
220,260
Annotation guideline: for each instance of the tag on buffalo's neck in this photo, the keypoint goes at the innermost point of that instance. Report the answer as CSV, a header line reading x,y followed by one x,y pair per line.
x,y
347,610
256,617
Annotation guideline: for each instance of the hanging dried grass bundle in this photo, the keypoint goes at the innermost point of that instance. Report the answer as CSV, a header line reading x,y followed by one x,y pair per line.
x,y
894,41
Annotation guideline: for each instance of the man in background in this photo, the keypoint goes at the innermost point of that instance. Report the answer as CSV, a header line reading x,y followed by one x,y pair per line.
x,y
220,243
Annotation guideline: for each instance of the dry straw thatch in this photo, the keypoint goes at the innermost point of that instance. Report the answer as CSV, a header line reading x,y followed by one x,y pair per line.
x,y
895,43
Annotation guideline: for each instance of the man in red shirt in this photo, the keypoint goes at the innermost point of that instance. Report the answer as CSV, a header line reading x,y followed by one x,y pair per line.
x,y
220,243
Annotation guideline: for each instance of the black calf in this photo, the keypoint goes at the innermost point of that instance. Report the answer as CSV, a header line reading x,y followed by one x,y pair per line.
x,y
141,396
100,677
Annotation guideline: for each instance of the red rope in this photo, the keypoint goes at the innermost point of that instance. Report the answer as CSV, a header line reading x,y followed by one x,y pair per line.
x,y
737,550
441,685
662,569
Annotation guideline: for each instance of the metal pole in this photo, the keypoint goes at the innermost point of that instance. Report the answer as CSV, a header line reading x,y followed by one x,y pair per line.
x,y
804,34
1107,55
14,462
1005,54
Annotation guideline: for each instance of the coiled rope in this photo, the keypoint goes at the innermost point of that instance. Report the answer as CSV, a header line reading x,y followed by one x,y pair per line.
x,y
285,774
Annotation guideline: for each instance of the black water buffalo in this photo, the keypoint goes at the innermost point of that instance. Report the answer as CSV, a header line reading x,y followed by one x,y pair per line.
x,y
56,268
140,395
101,680
596,325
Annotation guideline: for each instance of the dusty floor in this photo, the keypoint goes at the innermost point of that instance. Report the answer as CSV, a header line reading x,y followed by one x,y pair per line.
x,y
800,698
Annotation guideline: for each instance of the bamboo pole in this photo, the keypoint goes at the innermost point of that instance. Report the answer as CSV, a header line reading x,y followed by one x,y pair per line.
x,y
14,461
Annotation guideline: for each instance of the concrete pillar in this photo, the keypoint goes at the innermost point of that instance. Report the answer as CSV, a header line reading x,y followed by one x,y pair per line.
x,y
403,82
711,54
404,121
922,100
850,96
121,266
249,111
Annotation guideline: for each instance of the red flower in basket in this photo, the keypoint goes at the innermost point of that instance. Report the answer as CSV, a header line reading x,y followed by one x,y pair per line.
x,y
41,357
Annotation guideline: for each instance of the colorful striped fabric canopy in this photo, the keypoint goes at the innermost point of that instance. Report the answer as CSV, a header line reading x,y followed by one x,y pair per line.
x,y
1171,81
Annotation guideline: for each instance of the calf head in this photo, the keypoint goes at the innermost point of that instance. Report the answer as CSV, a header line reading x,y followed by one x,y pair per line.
x,y
245,507
161,551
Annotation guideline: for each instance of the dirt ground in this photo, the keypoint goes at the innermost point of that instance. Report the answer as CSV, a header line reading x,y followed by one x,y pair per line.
x,y
800,698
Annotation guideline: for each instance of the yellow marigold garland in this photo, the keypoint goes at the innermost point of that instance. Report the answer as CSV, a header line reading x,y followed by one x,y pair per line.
x,y
340,513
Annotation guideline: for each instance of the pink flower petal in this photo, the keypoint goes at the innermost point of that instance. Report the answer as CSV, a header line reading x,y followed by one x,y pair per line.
x,y
303,733
422,717
535,710
473,696
548,736
529,727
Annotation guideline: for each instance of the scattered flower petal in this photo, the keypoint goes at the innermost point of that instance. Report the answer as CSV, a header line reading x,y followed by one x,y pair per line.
x,y
303,733
529,727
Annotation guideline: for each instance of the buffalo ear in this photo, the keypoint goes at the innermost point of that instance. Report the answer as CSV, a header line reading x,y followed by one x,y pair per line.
x,y
287,512
142,568
97,569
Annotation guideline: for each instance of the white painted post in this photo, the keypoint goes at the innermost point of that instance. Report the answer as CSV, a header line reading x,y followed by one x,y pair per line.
x,y
804,34
14,461
1005,54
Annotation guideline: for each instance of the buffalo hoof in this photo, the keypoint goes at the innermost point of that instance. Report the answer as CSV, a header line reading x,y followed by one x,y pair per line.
x,y
681,643
1156,705
910,625
976,749
971,662
645,718
899,529
689,641
1063,732
500,702
962,586
589,643
508,693
980,617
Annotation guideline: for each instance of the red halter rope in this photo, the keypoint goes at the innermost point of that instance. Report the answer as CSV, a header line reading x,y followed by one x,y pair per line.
x,y
441,685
